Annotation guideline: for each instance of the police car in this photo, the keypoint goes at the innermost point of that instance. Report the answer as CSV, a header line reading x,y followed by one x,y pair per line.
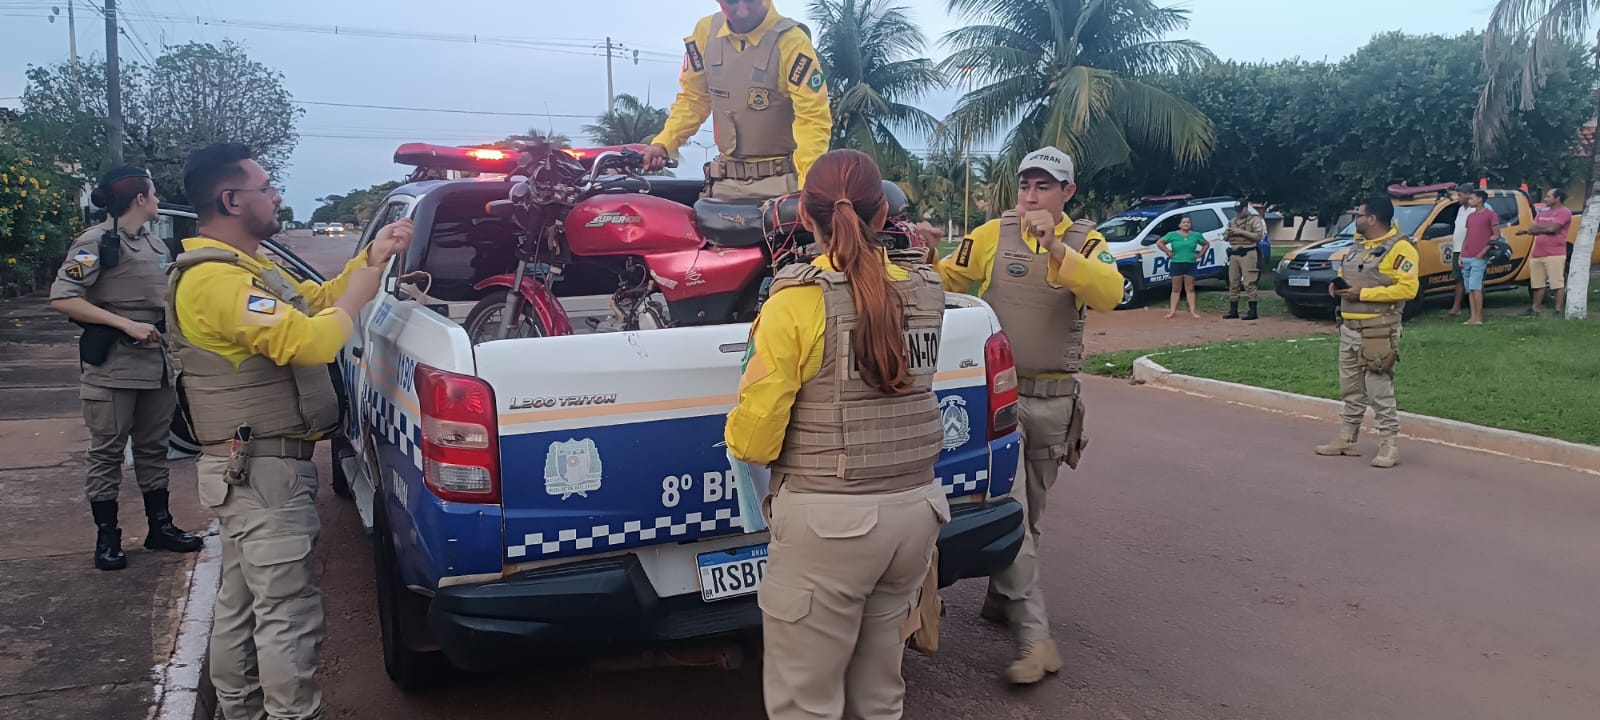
x,y
1131,237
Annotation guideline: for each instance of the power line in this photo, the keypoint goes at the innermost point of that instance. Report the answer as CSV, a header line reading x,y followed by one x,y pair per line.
x,y
444,110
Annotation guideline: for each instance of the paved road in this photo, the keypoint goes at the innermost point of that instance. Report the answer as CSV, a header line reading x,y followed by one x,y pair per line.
x,y
1201,564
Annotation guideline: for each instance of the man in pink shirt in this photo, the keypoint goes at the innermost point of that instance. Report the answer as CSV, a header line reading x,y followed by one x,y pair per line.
x,y
1482,228
1547,261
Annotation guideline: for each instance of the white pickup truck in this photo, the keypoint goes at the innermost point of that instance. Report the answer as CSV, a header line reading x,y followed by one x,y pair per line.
x,y
568,496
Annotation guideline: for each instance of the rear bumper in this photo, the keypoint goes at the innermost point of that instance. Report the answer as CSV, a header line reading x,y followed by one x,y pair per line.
x,y
606,606
1315,295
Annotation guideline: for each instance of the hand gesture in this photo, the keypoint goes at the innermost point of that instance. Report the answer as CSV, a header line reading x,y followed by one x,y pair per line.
x,y
392,240
1043,227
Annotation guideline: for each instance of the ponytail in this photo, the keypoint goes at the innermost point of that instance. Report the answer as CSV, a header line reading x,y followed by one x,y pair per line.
x,y
839,186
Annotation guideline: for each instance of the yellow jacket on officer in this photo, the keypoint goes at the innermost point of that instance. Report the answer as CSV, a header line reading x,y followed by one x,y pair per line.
x,y
766,93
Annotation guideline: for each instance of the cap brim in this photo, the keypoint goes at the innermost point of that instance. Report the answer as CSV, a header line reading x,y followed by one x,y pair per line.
x,y
1052,172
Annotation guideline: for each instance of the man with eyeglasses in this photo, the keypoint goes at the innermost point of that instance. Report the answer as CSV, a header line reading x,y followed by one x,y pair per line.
x,y
755,73
251,348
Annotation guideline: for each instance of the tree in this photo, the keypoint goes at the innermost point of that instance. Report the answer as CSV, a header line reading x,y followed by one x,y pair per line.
x,y
1071,73
1525,43
194,95
633,121
356,207
554,138
870,52
286,213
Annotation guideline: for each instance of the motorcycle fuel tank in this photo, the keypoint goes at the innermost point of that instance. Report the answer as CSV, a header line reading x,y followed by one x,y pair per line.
x,y
631,224
712,271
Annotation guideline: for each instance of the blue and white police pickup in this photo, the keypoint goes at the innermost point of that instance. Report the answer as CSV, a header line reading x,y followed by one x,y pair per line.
x,y
569,496
1131,236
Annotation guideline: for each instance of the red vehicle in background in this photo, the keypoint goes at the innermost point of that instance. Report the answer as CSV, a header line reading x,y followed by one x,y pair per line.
x,y
676,265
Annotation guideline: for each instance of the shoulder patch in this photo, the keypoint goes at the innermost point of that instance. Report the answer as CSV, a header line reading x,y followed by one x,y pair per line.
x,y
1107,258
964,253
85,258
692,56
817,81
74,271
800,69
261,305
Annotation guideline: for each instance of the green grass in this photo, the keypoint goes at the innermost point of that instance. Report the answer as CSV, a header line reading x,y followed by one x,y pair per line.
x,y
1532,375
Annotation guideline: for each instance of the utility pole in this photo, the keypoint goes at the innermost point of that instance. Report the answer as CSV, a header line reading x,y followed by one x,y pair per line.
x,y
611,85
113,85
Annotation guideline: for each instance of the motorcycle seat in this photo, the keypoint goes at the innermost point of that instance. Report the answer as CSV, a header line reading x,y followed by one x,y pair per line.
x,y
729,224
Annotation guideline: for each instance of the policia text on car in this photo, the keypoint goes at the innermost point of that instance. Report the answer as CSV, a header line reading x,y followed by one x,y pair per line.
x,y
252,348
111,285
1376,278
1040,271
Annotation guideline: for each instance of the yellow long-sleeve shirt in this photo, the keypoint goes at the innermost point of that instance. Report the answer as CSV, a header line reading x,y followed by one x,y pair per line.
x,y
813,120
1402,263
225,309
1091,275
785,351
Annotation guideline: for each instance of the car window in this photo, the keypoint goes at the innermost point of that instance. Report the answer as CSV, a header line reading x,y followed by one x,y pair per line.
x,y
395,210
1123,229
1205,220
1504,206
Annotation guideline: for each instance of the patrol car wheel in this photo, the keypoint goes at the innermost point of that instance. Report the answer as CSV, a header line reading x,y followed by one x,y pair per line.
x,y
401,616
1131,288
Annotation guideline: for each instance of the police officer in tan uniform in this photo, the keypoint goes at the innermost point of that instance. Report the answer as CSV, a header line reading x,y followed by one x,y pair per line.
x,y
252,349
1041,271
755,73
837,396
112,286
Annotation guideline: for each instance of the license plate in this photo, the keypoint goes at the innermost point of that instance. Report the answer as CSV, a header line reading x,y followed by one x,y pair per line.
x,y
731,573
1299,282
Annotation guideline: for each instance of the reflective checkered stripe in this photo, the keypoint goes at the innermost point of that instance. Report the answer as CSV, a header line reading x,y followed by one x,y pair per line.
x,y
960,486
392,425
632,533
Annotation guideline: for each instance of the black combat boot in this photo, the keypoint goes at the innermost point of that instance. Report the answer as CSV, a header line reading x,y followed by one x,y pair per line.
x,y
108,542
1252,314
1233,310
163,534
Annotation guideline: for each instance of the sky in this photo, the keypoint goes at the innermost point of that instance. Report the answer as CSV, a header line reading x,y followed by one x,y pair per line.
x,y
541,63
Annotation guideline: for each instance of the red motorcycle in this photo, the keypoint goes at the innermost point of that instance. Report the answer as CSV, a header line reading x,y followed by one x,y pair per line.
x,y
675,265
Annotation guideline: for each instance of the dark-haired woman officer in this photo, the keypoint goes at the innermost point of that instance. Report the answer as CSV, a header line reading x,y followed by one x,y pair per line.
x,y
113,285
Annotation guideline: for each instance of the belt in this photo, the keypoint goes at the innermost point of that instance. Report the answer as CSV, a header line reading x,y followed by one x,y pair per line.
x,y
1058,387
728,169
292,448
1377,322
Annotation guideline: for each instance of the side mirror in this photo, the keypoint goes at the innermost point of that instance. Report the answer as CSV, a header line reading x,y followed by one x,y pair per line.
x,y
1151,239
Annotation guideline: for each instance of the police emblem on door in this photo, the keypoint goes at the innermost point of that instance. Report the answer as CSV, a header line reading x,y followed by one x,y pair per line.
x,y
572,468
760,98
957,426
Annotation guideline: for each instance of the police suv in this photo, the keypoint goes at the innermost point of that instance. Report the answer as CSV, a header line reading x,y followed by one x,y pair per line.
x,y
1131,236
569,497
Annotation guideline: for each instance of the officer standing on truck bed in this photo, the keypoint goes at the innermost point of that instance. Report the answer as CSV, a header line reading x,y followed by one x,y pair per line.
x,y
837,396
252,349
1039,270
1379,275
756,74
112,286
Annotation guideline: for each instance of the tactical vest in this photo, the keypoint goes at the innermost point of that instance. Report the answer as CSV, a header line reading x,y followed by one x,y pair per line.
x,y
275,400
1363,267
1043,322
750,114
846,437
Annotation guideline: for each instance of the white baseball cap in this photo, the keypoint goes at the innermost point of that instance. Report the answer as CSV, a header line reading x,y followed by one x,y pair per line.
x,y
1050,160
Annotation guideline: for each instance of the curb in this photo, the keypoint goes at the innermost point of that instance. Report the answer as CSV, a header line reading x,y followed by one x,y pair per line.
x,y
1535,448
183,682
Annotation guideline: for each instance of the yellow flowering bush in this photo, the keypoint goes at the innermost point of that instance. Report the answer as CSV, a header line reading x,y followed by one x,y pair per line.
x,y
38,214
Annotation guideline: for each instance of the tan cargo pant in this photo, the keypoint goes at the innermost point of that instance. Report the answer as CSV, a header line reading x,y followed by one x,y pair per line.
x,y
1361,387
1244,271
268,630
762,189
838,601
1044,433
113,415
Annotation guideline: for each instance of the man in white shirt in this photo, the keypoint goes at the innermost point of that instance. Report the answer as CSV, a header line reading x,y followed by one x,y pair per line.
x,y
1455,244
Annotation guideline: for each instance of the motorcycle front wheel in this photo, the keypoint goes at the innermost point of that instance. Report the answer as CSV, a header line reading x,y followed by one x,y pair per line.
x,y
483,323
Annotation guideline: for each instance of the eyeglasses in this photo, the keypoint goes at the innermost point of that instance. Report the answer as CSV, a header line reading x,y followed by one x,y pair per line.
x,y
268,190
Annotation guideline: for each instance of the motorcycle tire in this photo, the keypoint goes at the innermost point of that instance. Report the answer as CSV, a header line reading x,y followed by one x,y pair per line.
x,y
483,323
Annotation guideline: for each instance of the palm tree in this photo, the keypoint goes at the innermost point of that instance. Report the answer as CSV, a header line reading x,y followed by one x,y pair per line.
x,y
871,50
633,121
554,138
1524,41
1069,73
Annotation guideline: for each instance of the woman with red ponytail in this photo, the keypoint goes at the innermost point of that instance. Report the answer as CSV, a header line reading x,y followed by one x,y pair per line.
x,y
837,396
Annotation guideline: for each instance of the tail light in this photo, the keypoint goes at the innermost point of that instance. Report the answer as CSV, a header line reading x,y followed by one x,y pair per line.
x,y
1002,371
460,437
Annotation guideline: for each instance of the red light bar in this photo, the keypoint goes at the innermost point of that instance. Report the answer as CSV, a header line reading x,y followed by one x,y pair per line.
x,y
1164,198
1401,190
442,157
